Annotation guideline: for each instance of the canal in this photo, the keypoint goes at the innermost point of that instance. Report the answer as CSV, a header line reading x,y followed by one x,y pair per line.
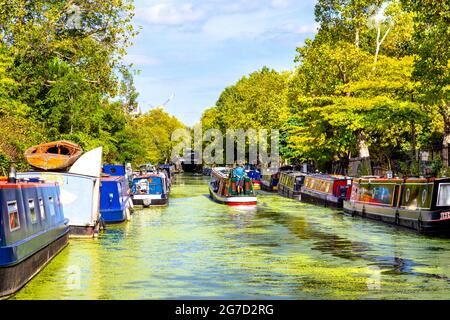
x,y
197,249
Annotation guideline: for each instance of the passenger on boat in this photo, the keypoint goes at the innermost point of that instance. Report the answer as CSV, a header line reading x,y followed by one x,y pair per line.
x,y
239,174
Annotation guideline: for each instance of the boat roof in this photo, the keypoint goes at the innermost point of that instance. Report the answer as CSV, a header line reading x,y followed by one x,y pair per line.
x,y
149,175
331,177
221,171
112,178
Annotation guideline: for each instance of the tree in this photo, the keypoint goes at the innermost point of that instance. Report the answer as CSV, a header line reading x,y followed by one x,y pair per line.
x,y
432,66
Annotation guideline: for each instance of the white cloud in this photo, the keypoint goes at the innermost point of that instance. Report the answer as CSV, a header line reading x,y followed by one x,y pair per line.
x,y
170,14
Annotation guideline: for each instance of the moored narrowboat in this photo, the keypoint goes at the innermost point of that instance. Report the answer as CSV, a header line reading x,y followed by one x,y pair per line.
x,y
290,183
269,182
327,190
115,202
33,231
416,203
225,188
150,190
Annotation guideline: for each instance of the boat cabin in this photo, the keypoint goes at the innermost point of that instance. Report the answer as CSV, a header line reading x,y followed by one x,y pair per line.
x,y
417,203
33,230
150,190
327,190
225,188
290,183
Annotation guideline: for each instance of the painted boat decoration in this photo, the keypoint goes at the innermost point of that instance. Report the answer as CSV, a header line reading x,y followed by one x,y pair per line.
x,y
80,193
55,155
290,183
150,190
255,175
416,203
115,201
33,231
327,190
223,188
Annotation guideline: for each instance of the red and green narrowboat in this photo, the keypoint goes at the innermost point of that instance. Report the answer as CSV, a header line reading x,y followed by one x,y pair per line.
x,y
327,190
224,188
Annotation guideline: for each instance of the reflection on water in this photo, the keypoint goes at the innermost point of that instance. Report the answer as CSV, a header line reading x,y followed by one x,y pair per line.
x,y
196,248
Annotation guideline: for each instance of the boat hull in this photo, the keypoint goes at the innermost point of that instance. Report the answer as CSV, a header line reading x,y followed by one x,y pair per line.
x,y
87,232
288,193
12,278
426,221
325,200
150,202
48,156
233,201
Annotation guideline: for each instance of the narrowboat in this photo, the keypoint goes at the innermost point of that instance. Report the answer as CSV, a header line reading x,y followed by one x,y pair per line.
x,y
33,230
290,184
80,193
55,155
327,190
420,204
115,201
255,175
150,190
167,169
269,182
224,188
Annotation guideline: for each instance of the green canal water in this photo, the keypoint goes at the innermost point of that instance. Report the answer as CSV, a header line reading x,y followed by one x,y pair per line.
x,y
197,249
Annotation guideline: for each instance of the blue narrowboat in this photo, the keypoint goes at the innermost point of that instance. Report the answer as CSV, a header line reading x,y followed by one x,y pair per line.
x,y
115,202
150,190
33,230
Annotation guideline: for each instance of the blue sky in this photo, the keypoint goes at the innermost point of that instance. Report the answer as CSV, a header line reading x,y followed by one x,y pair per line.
x,y
195,49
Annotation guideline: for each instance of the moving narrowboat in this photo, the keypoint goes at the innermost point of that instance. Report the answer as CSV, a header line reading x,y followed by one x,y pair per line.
x,y
327,190
80,193
150,190
224,188
290,183
417,203
33,230
255,175
55,155
115,201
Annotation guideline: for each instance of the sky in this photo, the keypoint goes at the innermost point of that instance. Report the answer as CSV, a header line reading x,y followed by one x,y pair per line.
x,y
193,50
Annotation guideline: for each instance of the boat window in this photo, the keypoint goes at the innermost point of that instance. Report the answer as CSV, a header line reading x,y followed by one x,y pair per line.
x,y
13,214
42,209
383,194
424,196
327,188
51,205
32,211
444,195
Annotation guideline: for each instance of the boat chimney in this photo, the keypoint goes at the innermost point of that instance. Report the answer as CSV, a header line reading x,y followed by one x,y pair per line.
x,y
12,176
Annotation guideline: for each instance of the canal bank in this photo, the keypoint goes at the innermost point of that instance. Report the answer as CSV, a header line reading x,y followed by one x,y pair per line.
x,y
196,248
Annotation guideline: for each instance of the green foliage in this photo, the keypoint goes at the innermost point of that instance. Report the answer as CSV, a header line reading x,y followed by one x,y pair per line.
x,y
257,101
62,77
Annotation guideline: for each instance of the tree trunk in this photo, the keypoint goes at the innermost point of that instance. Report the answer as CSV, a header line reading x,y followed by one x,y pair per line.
x,y
365,167
362,146
357,37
